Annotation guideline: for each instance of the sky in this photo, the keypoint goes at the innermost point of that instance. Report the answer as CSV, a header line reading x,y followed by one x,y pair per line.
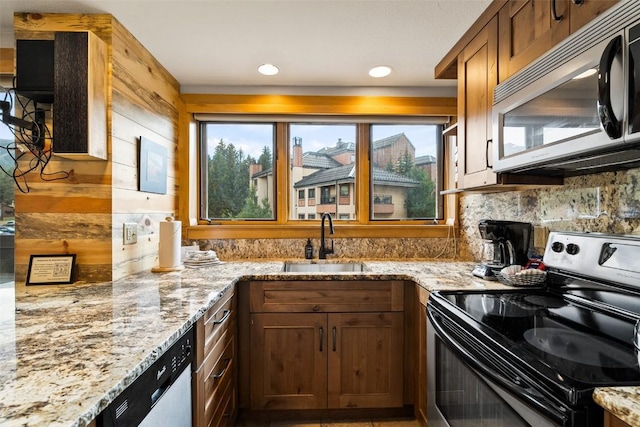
x,y
251,138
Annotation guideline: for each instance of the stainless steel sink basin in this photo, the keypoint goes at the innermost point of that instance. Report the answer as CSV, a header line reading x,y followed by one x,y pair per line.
x,y
323,267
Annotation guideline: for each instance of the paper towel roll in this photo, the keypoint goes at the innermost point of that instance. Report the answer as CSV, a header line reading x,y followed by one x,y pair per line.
x,y
169,245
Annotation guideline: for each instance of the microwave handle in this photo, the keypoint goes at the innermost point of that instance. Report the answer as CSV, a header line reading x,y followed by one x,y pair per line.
x,y
611,125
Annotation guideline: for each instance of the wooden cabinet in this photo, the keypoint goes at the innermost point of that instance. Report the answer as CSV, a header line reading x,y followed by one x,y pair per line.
x,y
527,30
80,96
587,11
477,77
215,375
320,344
288,361
530,28
611,420
422,297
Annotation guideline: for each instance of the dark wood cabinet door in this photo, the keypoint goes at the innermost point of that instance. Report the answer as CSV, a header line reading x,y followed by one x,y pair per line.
x,y
528,29
477,77
288,361
366,360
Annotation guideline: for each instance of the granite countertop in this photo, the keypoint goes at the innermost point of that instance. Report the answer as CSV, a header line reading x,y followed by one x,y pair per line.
x,y
623,402
67,351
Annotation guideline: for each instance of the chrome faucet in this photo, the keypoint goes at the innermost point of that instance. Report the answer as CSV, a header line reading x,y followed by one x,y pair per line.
x,y
322,253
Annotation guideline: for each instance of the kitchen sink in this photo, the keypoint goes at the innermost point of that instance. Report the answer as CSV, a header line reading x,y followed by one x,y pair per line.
x,y
323,267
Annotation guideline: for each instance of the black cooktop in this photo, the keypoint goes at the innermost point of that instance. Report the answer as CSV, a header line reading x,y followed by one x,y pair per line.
x,y
571,339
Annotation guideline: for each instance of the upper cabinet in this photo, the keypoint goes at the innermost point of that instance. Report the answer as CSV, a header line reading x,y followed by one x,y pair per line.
x,y
507,37
477,77
530,28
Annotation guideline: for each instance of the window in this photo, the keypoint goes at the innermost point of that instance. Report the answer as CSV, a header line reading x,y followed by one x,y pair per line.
x,y
239,168
323,156
237,165
405,171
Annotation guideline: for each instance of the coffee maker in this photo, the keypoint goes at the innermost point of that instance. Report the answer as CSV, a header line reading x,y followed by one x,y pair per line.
x,y
505,243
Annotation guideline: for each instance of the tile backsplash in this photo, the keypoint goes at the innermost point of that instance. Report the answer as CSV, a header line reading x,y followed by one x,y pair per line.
x,y
345,248
608,203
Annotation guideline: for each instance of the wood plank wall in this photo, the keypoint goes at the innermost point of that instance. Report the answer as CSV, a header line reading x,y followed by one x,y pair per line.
x,y
85,213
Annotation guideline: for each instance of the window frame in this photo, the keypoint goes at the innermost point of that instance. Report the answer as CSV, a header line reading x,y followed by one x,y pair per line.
x,y
351,109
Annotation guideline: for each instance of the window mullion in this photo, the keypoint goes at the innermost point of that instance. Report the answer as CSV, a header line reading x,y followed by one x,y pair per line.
x,y
282,173
363,187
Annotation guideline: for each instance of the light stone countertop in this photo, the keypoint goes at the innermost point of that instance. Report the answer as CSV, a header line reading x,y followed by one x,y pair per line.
x,y
67,351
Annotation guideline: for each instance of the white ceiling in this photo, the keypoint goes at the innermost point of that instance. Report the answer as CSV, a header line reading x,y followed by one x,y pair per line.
x,y
316,43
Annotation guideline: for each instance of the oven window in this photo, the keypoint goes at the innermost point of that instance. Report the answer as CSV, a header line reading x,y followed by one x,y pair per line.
x,y
465,399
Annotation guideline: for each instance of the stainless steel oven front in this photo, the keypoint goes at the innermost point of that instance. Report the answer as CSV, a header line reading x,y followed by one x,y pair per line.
x,y
458,394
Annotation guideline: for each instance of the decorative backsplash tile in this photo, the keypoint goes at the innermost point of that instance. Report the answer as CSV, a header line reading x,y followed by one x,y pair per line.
x,y
606,203
346,248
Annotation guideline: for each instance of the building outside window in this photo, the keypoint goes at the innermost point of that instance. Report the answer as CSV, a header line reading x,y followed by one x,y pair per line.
x,y
405,171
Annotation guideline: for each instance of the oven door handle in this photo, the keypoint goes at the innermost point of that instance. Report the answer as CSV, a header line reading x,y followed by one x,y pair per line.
x,y
497,374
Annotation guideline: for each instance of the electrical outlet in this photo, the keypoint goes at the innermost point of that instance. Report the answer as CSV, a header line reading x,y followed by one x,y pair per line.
x,y
130,235
540,235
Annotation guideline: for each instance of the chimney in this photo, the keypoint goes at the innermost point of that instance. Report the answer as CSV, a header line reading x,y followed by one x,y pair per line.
x,y
297,151
254,169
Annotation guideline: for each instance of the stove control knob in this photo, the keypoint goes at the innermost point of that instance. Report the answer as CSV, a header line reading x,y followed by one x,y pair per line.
x,y
557,247
572,249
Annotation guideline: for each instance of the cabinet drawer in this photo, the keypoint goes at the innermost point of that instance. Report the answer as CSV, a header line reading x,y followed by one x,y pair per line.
x,y
326,296
217,376
213,324
225,412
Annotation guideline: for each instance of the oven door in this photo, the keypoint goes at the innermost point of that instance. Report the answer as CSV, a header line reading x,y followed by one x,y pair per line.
x,y
462,389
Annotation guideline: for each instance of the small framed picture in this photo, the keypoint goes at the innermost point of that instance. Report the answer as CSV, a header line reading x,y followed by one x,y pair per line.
x,y
51,269
153,167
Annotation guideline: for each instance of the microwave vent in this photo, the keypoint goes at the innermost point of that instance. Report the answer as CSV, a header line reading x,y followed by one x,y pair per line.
x,y
602,28
603,162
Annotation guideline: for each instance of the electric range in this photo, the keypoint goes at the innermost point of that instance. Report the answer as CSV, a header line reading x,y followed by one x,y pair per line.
x,y
533,356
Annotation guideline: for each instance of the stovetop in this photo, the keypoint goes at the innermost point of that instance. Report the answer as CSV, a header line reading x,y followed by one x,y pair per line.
x,y
572,335
562,337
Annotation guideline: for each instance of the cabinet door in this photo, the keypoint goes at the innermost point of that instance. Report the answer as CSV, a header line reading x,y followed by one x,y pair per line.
x,y
527,30
365,360
587,11
288,361
477,77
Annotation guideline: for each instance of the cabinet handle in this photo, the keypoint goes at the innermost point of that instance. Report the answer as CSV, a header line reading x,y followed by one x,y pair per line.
x,y
486,153
335,332
227,313
218,376
321,337
554,12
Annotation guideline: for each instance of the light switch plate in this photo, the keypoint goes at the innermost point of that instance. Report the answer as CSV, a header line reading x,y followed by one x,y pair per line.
x,y
130,234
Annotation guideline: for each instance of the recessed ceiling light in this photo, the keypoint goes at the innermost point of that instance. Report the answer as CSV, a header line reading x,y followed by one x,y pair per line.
x,y
268,69
380,71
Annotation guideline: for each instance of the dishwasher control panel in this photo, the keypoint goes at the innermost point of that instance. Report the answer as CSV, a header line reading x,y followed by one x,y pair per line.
x,y
139,398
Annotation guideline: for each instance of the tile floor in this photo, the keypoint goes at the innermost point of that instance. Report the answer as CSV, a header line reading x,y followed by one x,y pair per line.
x,y
332,423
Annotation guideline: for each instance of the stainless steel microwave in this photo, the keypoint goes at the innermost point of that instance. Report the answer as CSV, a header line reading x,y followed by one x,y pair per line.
x,y
576,110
